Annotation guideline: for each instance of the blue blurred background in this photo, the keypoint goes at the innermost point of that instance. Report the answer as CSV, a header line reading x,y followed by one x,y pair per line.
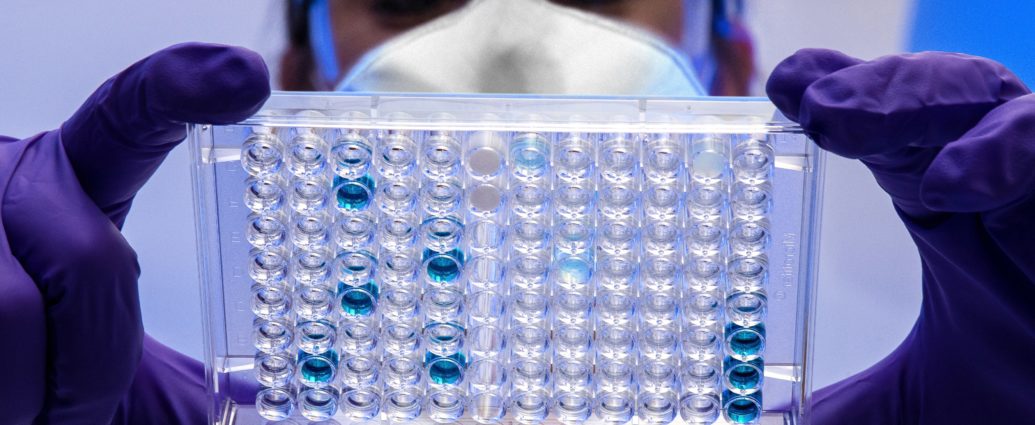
x,y
997,29
55,53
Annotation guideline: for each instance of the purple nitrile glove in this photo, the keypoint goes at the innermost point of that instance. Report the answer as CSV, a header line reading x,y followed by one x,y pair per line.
x,y
952,139
74,346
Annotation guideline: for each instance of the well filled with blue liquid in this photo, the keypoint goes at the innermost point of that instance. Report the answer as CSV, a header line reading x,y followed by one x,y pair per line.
x,y
744,376
444,267
358,303
354,194
317,367
745,343
743,409
445,372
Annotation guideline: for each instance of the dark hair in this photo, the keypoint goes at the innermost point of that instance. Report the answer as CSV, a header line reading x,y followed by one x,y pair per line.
x,y
730,42
297,63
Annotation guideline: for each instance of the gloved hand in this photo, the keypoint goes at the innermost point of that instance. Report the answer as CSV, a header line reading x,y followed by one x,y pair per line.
x,y
952,139
74,348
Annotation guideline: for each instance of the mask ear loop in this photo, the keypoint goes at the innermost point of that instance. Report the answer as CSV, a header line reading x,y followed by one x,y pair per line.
x,y
321,38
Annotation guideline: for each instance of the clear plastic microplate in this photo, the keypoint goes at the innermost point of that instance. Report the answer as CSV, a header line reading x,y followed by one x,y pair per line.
x,y
518,260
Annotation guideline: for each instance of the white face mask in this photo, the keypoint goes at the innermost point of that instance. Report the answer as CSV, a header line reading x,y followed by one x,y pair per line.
x,y
525,46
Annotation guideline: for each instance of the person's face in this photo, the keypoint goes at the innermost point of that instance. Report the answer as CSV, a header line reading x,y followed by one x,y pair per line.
x,y
361,25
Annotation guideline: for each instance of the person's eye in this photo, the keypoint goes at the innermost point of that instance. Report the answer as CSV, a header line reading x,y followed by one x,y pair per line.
x,y
406,13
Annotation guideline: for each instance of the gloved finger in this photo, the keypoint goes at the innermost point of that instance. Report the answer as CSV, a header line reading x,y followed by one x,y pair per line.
x,y
87,275
990,166
793,75
894,102
120,135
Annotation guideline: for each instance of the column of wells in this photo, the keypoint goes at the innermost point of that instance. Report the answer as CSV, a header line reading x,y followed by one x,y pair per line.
x,y
398,315
443,258
485,204
262,158
705,277
571,284
353,182
746,302
660,282
311,258
617,257
528,258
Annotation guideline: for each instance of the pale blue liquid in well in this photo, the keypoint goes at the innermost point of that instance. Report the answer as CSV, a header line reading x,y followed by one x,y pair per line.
x,y
574,271
531,153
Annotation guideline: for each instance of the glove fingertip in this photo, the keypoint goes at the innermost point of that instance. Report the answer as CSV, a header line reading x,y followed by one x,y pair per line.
x,y
987,168
957,182
790,78
207,83
937,194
